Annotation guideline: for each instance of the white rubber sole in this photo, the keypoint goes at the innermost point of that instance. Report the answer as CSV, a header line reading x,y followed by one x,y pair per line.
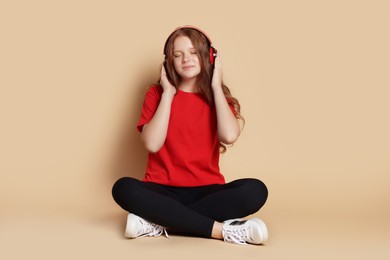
x,y
264,229
131,225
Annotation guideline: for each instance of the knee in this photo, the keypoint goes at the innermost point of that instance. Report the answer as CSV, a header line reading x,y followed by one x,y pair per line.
x,y
260,188
257,194
122,186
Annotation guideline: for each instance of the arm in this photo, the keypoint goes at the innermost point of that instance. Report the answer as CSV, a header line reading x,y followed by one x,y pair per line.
x,y
154,133
227,123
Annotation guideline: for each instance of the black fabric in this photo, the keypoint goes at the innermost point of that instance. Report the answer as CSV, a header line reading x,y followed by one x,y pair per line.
x,y
190,210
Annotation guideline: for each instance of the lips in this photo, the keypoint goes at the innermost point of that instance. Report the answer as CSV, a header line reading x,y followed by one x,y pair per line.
x,y
187,67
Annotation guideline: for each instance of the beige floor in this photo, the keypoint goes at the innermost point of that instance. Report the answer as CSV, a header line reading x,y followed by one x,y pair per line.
x,y
81,234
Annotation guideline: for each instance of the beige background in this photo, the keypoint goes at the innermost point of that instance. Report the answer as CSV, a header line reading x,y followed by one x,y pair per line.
x,y
313,81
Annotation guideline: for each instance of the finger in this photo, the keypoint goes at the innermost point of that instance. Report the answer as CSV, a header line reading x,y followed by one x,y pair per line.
x,y
218,62
163,72
219,57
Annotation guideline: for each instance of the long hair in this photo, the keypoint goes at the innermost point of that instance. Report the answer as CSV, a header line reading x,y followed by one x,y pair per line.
x,y
203,81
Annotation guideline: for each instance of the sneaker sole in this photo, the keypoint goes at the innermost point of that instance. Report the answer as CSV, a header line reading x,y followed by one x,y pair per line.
x,y
263,227
130,226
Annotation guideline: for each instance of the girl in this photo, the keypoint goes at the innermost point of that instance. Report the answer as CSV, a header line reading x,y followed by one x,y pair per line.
x,y
186,121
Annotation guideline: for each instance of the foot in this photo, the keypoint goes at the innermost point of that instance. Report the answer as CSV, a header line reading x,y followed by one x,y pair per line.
x,y
139,227
238,231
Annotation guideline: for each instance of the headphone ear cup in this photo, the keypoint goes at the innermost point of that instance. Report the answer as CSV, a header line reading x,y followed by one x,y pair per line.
x,y
165,64
213,54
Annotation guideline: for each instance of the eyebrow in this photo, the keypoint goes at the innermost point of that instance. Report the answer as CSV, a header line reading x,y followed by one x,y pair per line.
x,y
193,48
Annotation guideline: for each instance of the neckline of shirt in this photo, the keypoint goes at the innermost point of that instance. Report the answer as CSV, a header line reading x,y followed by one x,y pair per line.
x,y
191,93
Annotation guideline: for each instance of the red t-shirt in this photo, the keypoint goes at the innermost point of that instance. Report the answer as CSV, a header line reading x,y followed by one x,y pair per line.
x,y
190,154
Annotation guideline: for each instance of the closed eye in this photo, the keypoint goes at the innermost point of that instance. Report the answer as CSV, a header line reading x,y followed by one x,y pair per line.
x,y
177,54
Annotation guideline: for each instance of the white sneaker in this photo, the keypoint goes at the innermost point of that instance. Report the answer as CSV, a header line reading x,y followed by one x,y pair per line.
x,y
139,227
238,231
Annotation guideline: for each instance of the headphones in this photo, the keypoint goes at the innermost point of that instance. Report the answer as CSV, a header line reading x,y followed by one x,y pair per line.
x,y
212,50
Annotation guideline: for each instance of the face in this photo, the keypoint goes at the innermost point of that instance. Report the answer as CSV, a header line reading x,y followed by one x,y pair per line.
x,y
185,58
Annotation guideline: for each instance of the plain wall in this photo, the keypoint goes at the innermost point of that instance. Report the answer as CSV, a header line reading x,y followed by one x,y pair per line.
x,y
312,78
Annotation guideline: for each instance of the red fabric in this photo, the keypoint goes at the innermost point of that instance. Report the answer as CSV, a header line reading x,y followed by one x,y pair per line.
x,y
190,154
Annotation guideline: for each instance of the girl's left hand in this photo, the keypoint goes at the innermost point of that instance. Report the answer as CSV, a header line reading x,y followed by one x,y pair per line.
x,y
216,81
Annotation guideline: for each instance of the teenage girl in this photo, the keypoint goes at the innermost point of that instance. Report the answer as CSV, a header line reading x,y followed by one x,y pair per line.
x,y
186,121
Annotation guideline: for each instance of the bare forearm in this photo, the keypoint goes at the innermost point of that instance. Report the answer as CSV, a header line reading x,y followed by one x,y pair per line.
x,y
227,123
154,133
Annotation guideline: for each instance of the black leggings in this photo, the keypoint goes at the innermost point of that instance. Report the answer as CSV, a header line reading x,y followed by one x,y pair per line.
x,y
191,210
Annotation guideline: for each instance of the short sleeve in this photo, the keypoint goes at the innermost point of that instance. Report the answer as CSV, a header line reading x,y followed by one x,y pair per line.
x,y
149,107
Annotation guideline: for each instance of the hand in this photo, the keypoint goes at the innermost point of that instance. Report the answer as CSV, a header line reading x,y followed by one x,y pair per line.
x,y
216,81
166,85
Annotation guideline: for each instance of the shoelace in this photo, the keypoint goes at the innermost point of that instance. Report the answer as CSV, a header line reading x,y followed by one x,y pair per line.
x,y
152,230
236,235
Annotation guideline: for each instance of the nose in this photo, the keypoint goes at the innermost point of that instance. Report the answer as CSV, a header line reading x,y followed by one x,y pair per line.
x,y
186,57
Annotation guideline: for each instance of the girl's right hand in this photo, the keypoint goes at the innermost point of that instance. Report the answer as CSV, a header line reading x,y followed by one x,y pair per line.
x,y
166,85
